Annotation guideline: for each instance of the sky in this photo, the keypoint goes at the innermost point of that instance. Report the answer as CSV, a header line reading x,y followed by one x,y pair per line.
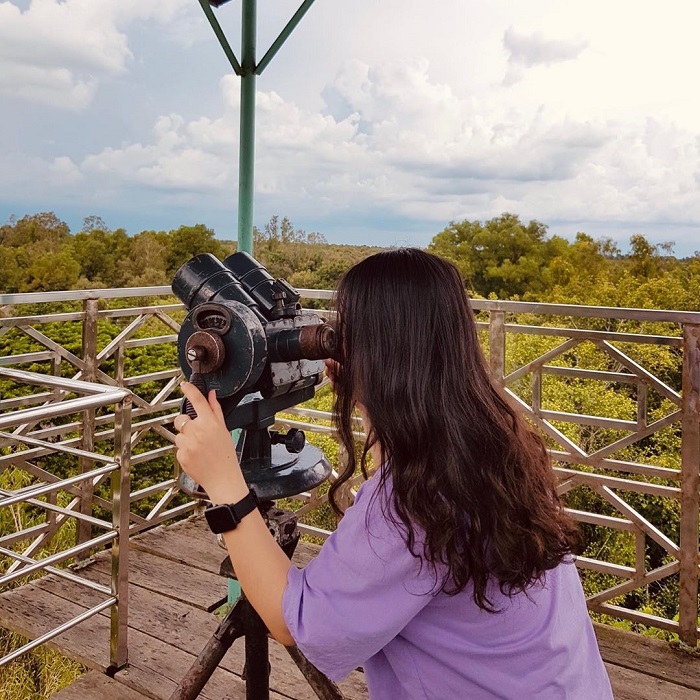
x,y
379,121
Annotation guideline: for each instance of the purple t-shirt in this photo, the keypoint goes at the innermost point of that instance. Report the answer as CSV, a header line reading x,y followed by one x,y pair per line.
x,y
366,601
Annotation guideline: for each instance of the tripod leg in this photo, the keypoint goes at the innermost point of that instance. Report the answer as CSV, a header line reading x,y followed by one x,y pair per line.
x,y
257,660
230,629
324,688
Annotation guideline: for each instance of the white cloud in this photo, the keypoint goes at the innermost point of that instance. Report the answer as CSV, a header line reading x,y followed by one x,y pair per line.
x,y
57,87
371,111
56,52
408,146
177,159
536,49
526,50
22,177
63,172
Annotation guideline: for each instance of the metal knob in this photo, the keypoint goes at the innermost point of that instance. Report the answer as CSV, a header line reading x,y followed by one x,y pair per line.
x,y
294,440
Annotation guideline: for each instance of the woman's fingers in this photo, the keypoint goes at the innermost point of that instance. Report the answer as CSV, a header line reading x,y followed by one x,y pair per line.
x,y
332,370
196,398
216,407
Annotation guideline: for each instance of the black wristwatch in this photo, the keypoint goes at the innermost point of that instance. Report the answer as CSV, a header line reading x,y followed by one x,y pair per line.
x,y
226,517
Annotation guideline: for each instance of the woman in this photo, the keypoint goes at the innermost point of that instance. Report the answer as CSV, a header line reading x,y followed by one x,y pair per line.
x,y
451,576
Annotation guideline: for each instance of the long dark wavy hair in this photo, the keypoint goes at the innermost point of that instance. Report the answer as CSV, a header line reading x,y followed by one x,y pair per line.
x,y
465,468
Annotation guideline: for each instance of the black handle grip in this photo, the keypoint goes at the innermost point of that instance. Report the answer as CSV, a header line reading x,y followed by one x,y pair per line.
x,y
196,379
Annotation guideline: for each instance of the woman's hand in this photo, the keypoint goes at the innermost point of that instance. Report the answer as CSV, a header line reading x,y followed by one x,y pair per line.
x,y
205,449
332,369
206,452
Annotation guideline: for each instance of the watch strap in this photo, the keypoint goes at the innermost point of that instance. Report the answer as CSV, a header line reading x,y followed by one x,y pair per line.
x,y
225,517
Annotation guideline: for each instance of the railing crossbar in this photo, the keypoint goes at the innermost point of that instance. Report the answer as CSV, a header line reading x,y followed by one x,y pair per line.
x,y
34,491
55,447
61,573
95,542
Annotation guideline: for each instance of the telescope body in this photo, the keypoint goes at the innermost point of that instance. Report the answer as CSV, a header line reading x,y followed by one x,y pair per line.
x,y
247,337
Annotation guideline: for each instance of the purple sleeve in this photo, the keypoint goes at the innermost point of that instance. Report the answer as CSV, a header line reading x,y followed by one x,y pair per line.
x,y
358,593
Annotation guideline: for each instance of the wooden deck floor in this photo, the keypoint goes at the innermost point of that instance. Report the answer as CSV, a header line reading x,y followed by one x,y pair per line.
x,y
174,584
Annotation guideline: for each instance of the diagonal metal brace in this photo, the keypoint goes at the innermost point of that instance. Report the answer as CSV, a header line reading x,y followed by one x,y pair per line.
x,y
221,37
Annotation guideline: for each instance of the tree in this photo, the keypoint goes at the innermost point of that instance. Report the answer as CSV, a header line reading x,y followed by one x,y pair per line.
x,y
94,223
502,256
10,275
148,255
44,228
645,257
188,241
53,272
105,256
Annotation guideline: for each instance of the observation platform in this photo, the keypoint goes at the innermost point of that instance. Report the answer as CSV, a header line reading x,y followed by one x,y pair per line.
x,y
173,587
89,389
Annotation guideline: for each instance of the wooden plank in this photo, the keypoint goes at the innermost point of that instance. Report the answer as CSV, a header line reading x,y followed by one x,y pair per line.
x,y
191,542
652,657
32,611
97,686
305,552
154,666
188,629
200,588
633,685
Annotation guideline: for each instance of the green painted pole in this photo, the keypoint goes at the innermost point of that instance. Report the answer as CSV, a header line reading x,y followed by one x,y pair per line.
x,y
246,164
248,70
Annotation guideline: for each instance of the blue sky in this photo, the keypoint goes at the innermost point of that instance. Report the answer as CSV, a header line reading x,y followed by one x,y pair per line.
x,y
378,122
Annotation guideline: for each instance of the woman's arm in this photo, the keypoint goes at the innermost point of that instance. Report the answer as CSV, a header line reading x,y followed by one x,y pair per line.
x,y
206,452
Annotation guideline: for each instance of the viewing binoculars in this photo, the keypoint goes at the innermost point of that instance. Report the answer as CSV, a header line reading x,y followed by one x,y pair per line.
x,y
247,337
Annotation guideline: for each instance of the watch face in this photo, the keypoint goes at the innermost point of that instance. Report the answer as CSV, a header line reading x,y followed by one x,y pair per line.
x,y
220,519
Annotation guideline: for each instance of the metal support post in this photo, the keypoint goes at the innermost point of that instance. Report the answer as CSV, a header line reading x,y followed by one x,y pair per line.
x,y
87,441
690,486
247,69
497,345
284,35
121,482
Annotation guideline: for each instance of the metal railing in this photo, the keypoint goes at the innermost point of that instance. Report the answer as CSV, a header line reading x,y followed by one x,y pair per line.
x,y
31,548
638,368
618,482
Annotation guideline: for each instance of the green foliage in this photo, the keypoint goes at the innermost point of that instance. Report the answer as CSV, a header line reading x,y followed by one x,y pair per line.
x,y
501,258
304,259
35,675
38,253
512,260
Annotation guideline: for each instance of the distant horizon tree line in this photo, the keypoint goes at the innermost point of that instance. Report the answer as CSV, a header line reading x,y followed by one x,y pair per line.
x,y
500,258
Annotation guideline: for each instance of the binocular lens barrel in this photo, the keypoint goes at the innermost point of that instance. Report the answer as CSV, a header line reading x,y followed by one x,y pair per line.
x,y
249,271
204,278
262,287
315,342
